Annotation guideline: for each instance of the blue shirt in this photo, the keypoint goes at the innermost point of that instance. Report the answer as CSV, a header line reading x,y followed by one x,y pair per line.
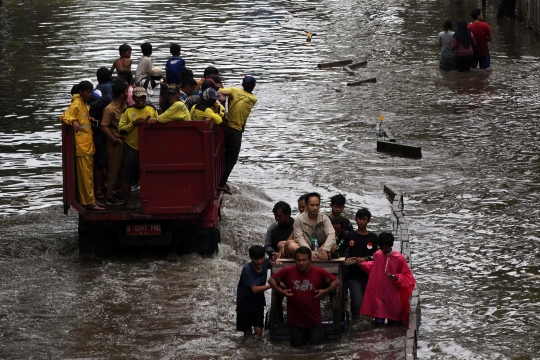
x,y
245,298
105,88
173,70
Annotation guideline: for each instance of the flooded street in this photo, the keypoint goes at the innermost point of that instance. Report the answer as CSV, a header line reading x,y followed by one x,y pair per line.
x,y
471,201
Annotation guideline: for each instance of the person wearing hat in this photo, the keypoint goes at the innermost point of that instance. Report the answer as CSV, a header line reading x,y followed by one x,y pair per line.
x,y
208,71
153,87
240,104
193,100
208,108
178,110
133,116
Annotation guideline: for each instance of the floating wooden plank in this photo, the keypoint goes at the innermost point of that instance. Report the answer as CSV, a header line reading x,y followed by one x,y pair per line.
x,y
349,70
334,64
392,148
303,9
360,82
358,64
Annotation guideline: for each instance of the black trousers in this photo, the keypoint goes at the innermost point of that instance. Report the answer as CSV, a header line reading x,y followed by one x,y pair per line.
x,y
233,143
463,63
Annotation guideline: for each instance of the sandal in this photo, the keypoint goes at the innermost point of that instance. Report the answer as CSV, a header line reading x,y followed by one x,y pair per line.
x,y
95,207
225,189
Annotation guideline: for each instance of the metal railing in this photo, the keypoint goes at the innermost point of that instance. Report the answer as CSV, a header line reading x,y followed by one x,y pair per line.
x,y
400,231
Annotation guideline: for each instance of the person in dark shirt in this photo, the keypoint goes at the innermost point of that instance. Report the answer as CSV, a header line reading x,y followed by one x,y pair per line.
x,y
250,300
339,226
337,204
279,232
360,245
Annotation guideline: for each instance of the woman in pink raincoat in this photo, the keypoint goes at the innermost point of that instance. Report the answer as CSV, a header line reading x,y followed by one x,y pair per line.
x,y
390,283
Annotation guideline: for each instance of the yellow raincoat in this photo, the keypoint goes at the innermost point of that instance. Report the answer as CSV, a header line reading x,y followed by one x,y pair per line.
x,y
84,148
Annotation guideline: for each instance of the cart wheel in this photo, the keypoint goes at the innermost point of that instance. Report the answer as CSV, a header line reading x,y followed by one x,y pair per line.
x,y
267,320
345,323
84,248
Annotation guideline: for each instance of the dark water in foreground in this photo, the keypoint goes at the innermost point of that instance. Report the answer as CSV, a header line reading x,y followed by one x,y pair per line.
x,y
471,201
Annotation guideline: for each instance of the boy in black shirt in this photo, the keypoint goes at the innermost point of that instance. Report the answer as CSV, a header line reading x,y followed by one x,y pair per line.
x,y
361,245
337,204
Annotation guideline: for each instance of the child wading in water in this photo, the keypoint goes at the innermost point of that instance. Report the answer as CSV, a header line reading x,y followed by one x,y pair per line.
x,y
390,284
250,300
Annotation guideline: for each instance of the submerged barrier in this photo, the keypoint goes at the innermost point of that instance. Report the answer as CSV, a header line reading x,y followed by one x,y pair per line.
x,y
392,147
401,234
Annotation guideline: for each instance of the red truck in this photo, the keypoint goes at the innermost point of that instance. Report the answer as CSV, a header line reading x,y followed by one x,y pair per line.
x,y
181,164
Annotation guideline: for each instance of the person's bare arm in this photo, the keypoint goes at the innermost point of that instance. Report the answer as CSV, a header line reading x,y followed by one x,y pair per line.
x,y
113,66
276,287
262,288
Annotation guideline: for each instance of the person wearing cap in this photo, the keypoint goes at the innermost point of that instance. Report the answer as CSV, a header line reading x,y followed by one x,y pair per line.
x,y
133,116
208,108
223,95
208,71
153,86
178,110
77,115
240,105
194,99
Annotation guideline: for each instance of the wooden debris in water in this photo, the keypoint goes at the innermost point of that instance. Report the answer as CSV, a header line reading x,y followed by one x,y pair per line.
x,y
334,64
358,64
360,82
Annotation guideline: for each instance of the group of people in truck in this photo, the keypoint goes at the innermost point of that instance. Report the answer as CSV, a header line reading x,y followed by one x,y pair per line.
x,y
378,280
105,120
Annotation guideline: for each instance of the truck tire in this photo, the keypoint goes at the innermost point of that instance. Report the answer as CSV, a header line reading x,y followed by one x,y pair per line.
x,y
84,248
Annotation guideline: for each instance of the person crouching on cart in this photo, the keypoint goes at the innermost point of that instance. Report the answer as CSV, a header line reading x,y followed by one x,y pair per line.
x,y
303,290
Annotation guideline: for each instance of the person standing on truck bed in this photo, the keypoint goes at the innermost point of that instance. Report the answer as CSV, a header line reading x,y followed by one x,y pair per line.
x,y
115,141
133,116
178,110
239,109
77,115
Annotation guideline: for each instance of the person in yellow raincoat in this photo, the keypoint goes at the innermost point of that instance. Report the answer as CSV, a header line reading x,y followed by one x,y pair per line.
x,y
77,116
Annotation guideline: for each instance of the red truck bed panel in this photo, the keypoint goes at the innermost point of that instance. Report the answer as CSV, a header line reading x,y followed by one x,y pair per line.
x,y
180,167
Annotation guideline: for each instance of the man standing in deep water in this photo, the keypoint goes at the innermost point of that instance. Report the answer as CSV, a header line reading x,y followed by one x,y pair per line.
x,y
303,289
482,35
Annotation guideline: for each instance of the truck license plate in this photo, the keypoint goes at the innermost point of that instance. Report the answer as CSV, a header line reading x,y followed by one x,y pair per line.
x,y
147,229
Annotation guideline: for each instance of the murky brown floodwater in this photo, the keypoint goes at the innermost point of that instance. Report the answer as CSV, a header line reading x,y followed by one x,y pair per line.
x,y
472,201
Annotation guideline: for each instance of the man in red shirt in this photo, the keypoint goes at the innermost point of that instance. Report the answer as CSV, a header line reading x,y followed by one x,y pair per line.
x,y
482,34
304,289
